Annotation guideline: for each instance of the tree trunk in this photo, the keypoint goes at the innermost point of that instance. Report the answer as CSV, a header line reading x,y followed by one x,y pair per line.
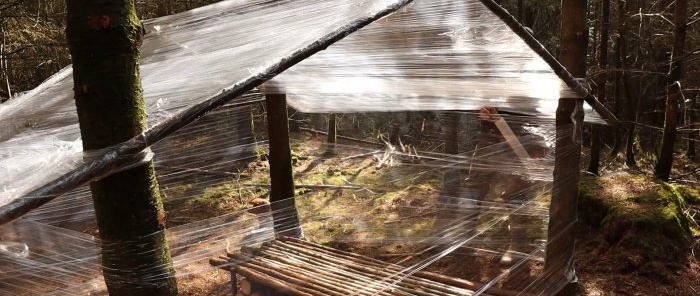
x,y
521,12
559,254
452,176
164,7
632,115
618,76
622,87
665,162
104,39
332,138
284,211
594,164
693,125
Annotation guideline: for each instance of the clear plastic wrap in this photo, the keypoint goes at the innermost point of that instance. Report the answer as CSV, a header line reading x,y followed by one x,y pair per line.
x,y
445,194
392,204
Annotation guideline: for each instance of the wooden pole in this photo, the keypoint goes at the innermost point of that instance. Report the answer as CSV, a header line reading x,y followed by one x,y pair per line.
x,y
332,135
284,211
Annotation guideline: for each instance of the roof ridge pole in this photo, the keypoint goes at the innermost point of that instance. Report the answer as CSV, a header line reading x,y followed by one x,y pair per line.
x,y
103,164
558,68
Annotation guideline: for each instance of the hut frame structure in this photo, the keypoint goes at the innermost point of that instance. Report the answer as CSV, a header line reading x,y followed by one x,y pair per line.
x,y
559,251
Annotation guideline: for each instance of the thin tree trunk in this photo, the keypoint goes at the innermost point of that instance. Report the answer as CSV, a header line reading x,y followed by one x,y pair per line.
x,y
665,162
452,176
284,211
693,124
693,134
630,112
104,39
618,79
294,119
332,138
521,12
594,164
559,254
632,115
164,7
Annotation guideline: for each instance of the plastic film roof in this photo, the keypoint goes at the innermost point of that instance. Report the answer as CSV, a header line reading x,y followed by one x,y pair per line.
x,y
432,55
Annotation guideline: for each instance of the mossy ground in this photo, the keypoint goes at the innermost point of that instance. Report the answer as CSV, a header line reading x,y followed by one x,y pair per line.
x,y
636,234
636,231
349,203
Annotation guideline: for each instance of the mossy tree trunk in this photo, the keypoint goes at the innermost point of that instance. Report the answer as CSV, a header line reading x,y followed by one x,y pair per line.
x,y
284,211
104,39
559,256
665,161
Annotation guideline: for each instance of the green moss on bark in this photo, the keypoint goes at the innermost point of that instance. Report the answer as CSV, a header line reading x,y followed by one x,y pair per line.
x,y
104,38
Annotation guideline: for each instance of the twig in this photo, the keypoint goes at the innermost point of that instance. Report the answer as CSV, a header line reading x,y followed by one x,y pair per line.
x,y
341,137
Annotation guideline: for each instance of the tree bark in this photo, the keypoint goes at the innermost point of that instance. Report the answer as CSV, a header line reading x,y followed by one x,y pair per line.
x,y
622,86
559,253
332,138
284,211
521,11
104,39
665,161
452,176
693,125
594,164
617,78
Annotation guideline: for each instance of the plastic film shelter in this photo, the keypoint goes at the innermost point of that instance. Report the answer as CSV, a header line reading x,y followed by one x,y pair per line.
x,y
443,178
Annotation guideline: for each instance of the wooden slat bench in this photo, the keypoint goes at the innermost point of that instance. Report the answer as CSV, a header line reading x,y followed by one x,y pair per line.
x,y
290,266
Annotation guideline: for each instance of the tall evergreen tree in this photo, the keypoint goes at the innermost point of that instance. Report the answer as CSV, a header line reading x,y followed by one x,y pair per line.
x,y
594,164
665,161
104,38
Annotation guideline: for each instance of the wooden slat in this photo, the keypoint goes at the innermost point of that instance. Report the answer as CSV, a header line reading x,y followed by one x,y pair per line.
x,y
298,267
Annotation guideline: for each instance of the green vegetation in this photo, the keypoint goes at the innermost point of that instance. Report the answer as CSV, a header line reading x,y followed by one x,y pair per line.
x,y
637,223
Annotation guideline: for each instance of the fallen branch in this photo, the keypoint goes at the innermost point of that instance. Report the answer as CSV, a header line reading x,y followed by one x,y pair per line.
x,y
342,137
319,186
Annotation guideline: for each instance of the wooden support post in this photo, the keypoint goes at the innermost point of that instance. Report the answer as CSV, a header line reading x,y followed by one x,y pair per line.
x,y
284,212
332,138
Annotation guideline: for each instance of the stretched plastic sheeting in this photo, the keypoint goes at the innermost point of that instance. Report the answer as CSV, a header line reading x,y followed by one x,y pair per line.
x,y
430,55
186,58
457,214
430,204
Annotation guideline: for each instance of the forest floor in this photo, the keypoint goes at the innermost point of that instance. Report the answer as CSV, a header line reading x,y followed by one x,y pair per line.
x,y
636,236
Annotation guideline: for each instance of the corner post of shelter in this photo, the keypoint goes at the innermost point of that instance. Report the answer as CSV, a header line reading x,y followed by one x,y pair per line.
x,y
332,136
284,212
561,232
